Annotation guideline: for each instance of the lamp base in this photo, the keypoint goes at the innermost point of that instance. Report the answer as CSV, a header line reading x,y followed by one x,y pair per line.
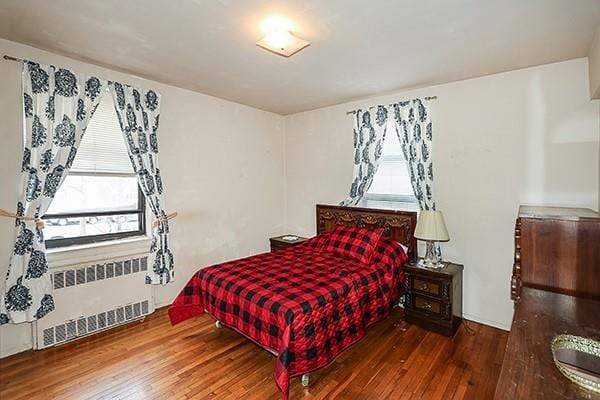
x,y
423,263
431,259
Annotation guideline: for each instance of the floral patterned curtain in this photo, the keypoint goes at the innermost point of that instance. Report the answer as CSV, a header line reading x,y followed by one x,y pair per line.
x,y
58,105
138,111
412,120
413,125
369,136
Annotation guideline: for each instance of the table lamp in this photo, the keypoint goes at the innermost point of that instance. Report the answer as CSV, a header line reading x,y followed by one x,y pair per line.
x,y
431,228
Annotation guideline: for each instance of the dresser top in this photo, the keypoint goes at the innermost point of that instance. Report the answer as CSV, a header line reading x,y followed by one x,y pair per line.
x,y
568,213
288,239
449,269
528,370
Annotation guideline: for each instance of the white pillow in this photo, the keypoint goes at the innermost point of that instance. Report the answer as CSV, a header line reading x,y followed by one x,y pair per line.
x,y
405,248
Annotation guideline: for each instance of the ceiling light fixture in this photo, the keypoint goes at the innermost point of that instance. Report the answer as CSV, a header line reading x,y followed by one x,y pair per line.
x,y
278,37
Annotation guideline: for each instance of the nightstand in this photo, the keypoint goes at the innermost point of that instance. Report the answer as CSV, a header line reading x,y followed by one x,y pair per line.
x,y
433,297
280,242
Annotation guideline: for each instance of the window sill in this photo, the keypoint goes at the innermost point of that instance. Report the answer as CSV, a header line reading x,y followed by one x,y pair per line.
x,y
389,205
87,253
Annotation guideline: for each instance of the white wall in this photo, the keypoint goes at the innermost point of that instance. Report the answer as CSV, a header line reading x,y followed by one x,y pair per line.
x,y
594,61
526,136
221,163
594,68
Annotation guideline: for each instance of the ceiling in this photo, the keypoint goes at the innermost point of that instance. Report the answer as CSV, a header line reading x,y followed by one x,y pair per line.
x,y
359,47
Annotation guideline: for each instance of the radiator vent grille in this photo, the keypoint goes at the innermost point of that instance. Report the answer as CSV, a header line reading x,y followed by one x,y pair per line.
x,y
61,334
48,336
99,272
70,278
110,270
145,307
101,320
59,280
74,329
127,267
81,326
82,275
92,325
120,315
118,268
71,330
128,312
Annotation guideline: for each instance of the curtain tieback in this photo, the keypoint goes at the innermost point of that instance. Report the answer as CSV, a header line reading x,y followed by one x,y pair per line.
x,y
39,223
165,218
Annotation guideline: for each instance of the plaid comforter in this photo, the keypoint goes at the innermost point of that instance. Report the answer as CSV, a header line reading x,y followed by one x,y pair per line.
x,y
305,304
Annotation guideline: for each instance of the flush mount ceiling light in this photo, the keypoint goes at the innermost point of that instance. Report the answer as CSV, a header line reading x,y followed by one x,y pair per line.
x,y
279,38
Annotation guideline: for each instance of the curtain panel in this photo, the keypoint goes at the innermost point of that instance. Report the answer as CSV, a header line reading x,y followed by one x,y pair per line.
x,y
139,112
369,135
412,120
57,106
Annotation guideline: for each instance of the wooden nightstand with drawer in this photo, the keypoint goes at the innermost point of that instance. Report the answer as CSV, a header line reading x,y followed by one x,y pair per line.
x,y
285,241
433,297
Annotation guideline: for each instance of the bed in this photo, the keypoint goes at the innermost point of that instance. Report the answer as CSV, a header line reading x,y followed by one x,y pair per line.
x,y
308,303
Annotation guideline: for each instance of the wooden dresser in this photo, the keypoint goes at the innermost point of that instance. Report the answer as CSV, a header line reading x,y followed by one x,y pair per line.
x,y
556,288
528,370
557,249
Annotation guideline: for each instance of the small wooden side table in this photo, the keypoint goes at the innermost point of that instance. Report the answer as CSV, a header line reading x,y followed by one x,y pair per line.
x,y
285,241
434,297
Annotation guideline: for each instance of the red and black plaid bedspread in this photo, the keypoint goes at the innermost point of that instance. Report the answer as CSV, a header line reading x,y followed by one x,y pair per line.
x,y
305,304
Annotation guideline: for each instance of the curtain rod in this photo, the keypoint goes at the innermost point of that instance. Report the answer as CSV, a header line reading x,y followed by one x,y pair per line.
x,y
425,98
11,58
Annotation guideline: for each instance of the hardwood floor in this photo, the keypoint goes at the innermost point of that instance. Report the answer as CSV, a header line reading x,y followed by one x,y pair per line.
x,y
194,360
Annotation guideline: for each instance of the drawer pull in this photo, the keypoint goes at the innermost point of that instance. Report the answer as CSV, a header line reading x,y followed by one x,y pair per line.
x,y
426,306
424,287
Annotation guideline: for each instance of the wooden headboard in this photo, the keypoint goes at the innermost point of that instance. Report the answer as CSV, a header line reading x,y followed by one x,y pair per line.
x,y
397,225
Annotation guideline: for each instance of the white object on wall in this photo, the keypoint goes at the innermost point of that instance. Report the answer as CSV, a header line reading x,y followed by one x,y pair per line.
x,y
90,298
594,66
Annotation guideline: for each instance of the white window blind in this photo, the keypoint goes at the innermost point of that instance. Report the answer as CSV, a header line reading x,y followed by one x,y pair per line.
x,y
391,186
102,149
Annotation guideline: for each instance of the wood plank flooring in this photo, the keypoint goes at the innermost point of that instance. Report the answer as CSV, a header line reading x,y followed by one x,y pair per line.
x,y
194,360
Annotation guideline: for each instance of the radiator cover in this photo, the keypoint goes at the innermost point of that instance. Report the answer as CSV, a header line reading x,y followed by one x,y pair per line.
x,y
94,297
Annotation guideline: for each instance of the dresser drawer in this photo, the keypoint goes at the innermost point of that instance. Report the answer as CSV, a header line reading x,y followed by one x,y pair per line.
x,y
429,305
431,287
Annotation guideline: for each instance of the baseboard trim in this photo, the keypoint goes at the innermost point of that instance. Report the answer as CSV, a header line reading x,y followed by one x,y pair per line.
x,y
15,350
484,321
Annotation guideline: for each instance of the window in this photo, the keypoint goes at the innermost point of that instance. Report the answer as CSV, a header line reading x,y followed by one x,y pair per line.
x,y
100,198
391,186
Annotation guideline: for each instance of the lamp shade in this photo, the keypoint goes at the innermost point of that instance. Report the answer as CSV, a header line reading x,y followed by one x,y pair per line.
x,y
431,226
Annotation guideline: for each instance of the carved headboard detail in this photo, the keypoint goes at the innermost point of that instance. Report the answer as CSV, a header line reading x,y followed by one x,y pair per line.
x,y
397,225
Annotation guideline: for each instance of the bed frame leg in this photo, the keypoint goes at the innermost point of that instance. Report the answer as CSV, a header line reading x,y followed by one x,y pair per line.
x,y
305,380
218,324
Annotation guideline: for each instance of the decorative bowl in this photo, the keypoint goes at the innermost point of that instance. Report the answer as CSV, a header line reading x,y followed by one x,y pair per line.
x,y
578,359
